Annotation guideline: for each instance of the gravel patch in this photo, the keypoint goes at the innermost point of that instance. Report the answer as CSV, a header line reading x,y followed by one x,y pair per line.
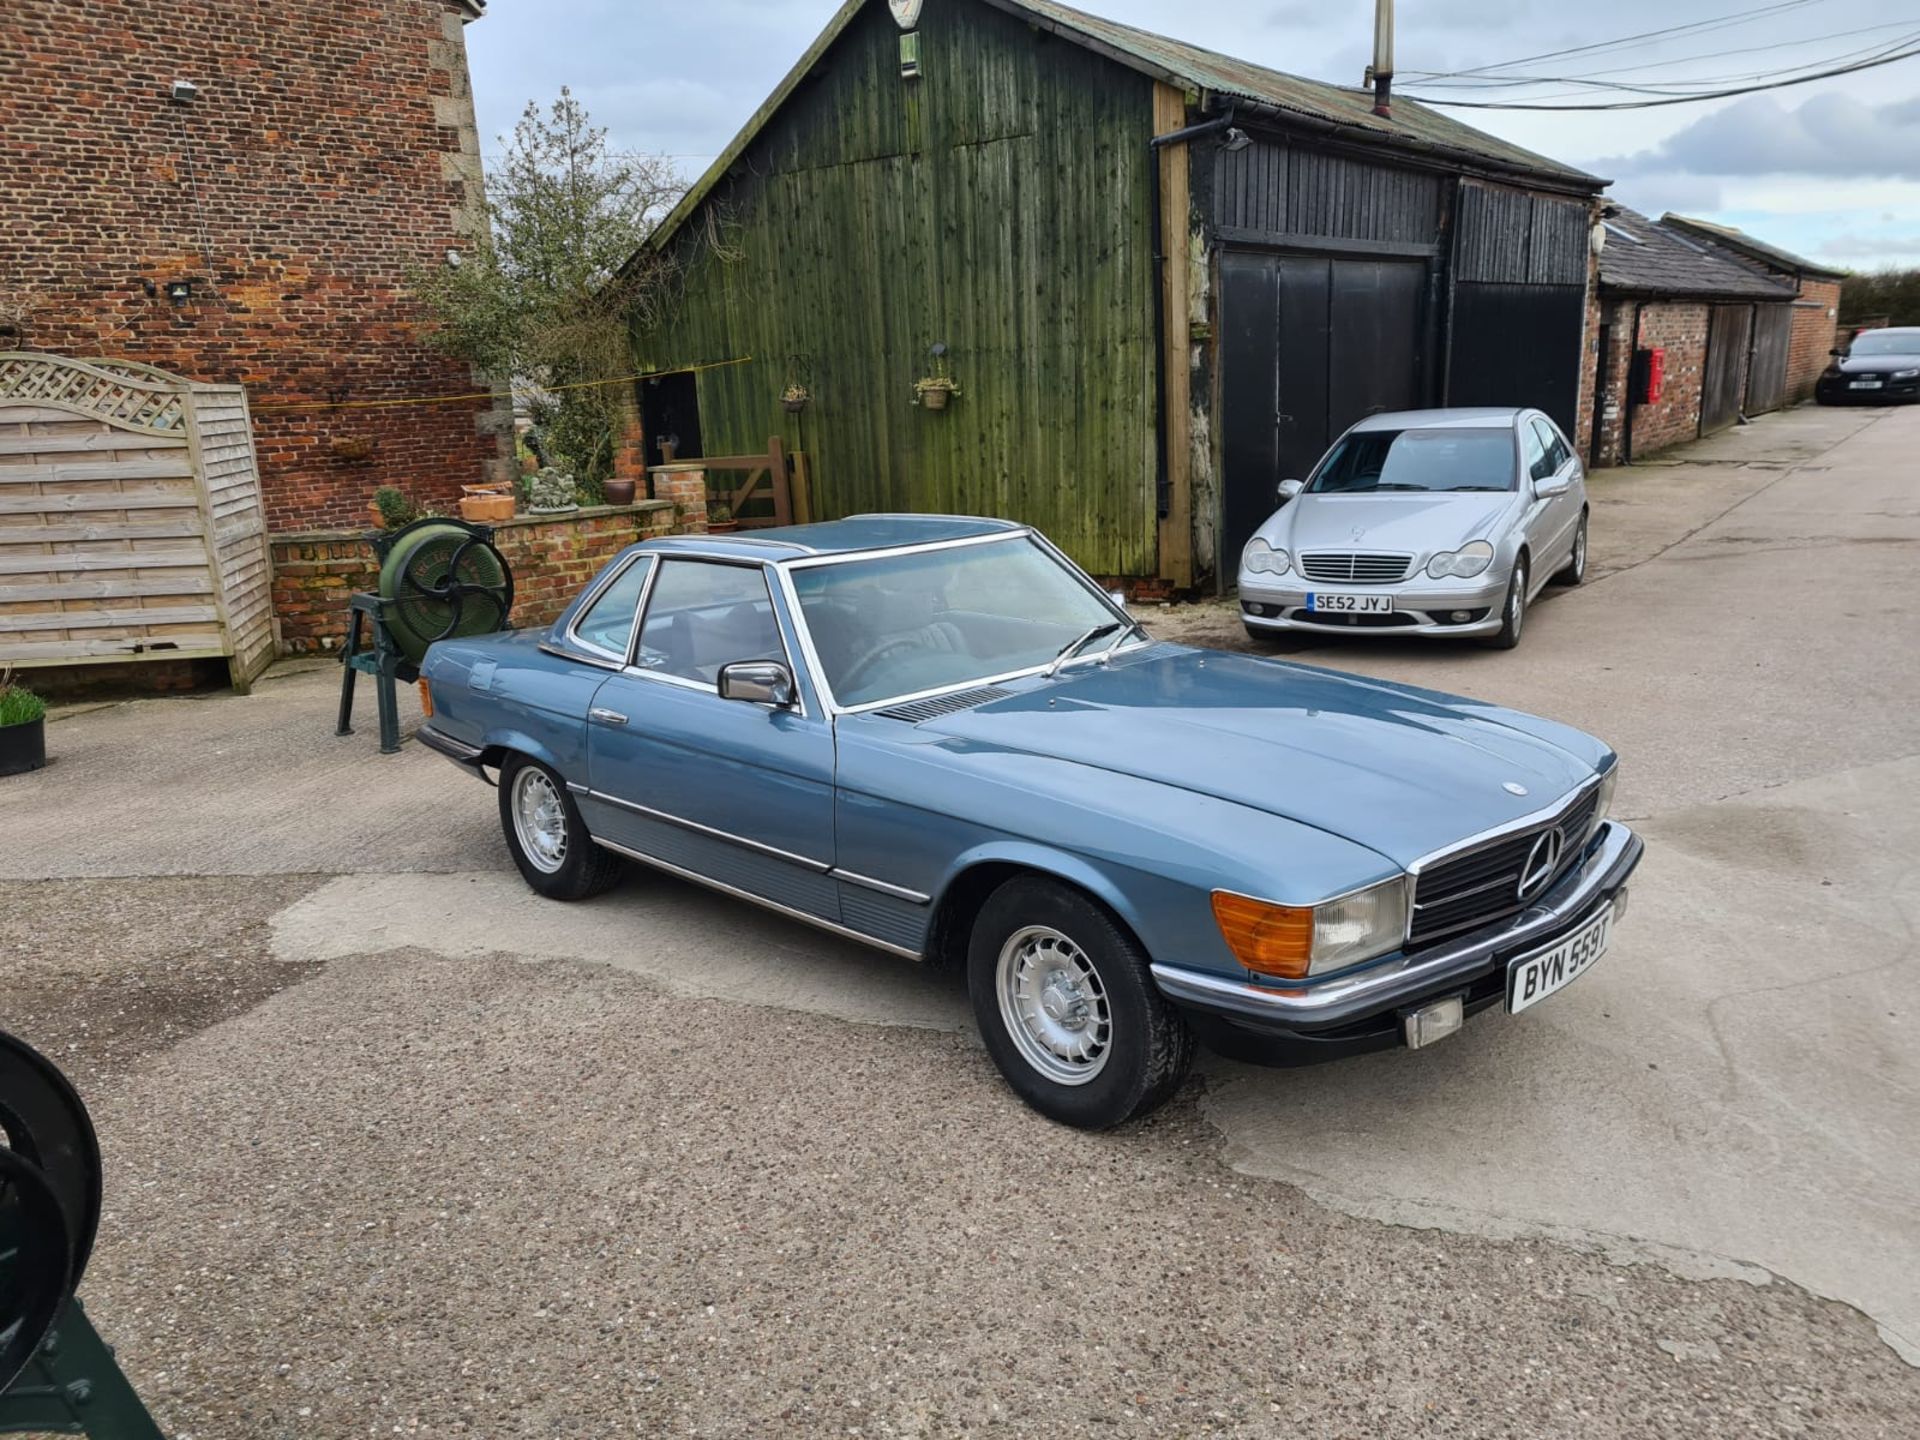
x,y
422,1196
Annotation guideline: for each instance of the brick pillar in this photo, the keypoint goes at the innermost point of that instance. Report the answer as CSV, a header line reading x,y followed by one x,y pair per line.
x,y
630,444
685,483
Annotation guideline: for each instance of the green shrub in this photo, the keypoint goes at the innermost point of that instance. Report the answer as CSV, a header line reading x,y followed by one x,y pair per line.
x,y
18,705
396,507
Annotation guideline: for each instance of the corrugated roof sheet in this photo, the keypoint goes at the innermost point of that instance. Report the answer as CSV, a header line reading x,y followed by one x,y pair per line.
x,y
1180,63
1411,126
1744,247
1643,258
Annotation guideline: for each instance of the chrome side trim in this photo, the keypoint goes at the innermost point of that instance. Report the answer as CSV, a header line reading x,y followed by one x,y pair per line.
x,y
1512,827
1381,987
767,571
849,557
760,900
593,660
819,867
899,892
572,632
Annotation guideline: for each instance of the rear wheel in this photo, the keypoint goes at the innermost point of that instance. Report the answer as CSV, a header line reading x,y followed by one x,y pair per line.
x,y
1575,570
1066,1004
546,836
1513,613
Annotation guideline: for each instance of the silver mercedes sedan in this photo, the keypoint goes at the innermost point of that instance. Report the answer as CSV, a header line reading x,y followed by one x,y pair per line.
x,y
1424,522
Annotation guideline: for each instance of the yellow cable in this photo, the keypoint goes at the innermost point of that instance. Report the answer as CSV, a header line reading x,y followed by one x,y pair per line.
x,y
494,394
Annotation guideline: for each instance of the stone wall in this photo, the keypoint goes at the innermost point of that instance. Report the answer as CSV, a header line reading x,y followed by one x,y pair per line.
x,y
331,147
316,572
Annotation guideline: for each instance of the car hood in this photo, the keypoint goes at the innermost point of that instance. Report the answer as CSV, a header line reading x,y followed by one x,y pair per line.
x,y
1876,364
1399,770
1416,524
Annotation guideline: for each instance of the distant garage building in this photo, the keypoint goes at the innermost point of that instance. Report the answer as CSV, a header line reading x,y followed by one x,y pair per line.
x,y
1162,279
1689,340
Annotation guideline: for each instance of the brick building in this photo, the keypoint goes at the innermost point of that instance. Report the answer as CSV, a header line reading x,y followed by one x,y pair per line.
x,y
256,225
1816,305
1720,334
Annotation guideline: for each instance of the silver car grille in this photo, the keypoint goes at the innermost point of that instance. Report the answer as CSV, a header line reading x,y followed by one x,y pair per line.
x,y
1355,567
1482,886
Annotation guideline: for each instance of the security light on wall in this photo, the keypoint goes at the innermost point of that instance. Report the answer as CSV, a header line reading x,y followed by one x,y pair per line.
x,y
179,291
1235,140
185,90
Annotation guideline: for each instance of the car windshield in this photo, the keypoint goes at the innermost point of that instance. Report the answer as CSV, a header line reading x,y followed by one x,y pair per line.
x,y
894,625
1886,342
1451,459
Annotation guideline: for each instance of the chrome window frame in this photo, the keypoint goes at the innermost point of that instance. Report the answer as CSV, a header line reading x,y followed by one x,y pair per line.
x,y
824,686
766,570
599,653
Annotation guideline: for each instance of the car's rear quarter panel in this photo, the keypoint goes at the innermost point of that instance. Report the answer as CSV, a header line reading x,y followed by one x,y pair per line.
x,y
507,691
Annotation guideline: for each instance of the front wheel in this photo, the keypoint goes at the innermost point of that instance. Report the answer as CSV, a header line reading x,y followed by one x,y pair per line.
x,y
1066,1004
1513,614
546,836
1575,570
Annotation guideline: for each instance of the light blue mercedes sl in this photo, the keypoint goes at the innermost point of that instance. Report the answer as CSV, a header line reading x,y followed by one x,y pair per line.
x,y
938,736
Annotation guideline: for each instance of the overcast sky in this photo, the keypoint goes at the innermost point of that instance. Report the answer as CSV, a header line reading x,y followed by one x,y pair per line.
x,y
1830,169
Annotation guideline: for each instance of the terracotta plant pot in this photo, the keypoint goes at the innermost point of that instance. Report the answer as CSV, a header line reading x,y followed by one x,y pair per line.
x,y
479,508
618,490
379,520
23,747
722,527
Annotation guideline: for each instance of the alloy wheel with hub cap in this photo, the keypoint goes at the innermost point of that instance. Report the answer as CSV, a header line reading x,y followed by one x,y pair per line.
x,y
1513,614
1575,570
1067,1007
546,836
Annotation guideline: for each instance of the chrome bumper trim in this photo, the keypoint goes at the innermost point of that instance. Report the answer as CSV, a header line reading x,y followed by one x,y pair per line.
x,y
1335,1001
457,751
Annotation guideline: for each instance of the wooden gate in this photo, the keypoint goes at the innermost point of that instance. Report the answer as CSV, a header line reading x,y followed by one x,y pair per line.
x,y
130,518
1767,372
1722,386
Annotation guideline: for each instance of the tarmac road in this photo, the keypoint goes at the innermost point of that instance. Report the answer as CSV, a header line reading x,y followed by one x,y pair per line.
x,y
395,1148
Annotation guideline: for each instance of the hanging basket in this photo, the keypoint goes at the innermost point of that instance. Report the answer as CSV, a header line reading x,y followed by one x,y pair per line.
x,y
935,399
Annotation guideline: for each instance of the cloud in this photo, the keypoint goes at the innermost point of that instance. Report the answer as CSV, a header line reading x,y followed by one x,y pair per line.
x,y
1876,246
1826,135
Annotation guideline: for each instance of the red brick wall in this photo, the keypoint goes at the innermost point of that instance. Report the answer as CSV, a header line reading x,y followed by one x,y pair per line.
x,y
1679,328
316,572
329,148
1815,321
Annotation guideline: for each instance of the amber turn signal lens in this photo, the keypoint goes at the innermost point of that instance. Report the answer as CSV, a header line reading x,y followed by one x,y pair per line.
x,y
1274,940
426,698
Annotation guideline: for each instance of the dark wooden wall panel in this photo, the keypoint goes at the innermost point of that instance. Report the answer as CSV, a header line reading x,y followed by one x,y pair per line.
x,y
1298,190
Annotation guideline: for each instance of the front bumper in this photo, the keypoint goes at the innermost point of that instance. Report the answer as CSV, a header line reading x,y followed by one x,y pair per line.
x,y
1361,1010
1420,607
1838,390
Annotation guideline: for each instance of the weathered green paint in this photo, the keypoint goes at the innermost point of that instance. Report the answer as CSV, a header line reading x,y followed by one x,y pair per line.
x,y
1000,204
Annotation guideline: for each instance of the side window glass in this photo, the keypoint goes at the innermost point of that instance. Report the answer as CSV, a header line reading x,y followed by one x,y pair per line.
x,y
607,624
1557,452
703,615
1539,462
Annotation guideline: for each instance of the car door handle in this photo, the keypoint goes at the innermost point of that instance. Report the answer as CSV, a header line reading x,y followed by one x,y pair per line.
x,y
606,717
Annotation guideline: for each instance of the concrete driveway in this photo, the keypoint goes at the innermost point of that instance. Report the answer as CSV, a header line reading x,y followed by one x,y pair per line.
x,y
387,1154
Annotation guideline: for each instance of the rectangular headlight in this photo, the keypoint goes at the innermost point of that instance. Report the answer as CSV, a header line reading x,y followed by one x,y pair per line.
x,y
1607,782
1292,942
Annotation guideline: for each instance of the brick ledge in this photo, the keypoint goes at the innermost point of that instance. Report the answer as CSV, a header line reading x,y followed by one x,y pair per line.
x,y
585,512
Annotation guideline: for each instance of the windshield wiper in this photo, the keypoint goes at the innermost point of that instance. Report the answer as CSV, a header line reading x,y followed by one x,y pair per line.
x,y
1476,487
1073,647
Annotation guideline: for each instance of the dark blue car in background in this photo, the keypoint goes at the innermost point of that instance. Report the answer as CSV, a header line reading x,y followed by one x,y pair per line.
x,y
938,736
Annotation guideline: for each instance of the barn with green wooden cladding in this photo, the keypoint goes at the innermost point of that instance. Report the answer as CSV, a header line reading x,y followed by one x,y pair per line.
x,y
1157,280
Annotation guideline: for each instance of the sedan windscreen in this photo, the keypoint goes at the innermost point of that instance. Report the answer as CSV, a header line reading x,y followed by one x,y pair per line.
x,y
1884,342
1450,459
897,625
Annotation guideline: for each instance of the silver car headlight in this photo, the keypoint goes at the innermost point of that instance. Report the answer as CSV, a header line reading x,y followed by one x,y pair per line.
x,y
1260,558
1906,374
1607,782
1465,563
1292,942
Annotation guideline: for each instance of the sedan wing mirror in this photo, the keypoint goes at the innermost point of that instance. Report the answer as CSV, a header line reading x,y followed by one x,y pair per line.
x,y
764,682
1290,488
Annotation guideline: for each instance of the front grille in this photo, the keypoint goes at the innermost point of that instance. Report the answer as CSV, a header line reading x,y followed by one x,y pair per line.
x,y
1397,620
1482,887
1353,567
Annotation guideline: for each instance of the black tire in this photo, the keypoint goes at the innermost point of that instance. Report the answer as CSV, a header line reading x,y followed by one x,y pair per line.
x,y
1575,570
1513,610
1254,632
582,869
1147,1047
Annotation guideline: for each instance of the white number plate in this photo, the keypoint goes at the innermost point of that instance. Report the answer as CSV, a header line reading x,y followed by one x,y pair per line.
x,y
1336,603
1532,978
1863,385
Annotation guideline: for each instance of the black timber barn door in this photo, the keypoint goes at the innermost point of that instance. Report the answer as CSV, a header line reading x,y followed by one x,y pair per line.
x,y
1721,387
1767,375
1519,301
1309,344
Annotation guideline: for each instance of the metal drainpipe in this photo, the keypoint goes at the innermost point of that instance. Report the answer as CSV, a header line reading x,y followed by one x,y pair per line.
x,y
1162,488
1626,419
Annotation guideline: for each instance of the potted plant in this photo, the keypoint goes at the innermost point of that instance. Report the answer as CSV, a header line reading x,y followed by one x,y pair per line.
x,y
550,492
617,490
720,518
794,399
23,727
356,449
934,391
392,508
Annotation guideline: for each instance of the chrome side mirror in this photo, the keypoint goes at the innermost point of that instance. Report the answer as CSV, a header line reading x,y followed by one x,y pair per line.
x,y
1290,488
764,682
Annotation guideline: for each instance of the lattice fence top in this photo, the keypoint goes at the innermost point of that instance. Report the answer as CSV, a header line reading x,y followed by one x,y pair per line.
x,y
135,397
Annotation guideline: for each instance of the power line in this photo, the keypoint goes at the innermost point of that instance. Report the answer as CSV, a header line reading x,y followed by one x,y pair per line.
x,y
1624,42
1850,69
